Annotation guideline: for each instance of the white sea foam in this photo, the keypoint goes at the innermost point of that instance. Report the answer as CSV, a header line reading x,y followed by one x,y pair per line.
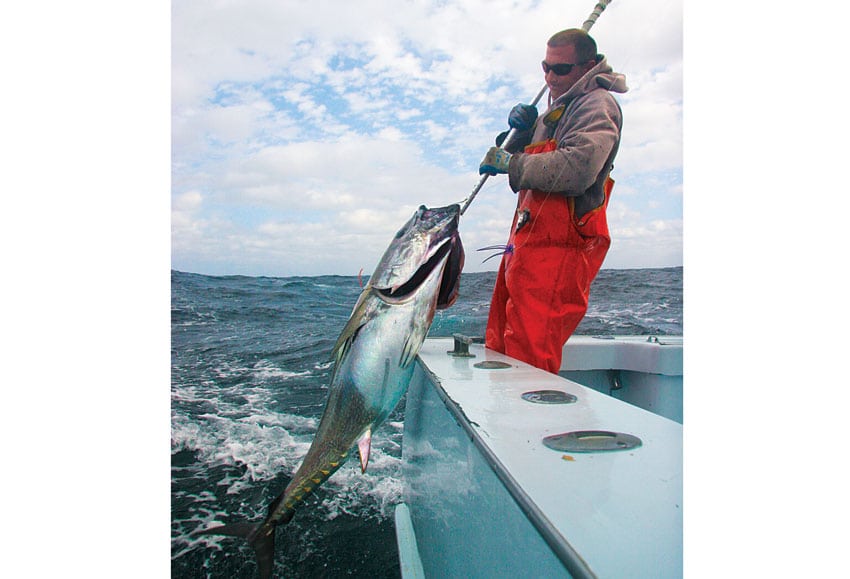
x,y
289,422
264,444
259,372
370,494
202,518
265,370
262,450
226,419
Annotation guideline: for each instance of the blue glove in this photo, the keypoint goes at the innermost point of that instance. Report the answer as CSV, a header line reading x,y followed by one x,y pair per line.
x,y
522,117
495,161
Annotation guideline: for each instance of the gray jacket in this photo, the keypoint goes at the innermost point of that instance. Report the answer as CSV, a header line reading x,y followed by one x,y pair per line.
x,y
588,136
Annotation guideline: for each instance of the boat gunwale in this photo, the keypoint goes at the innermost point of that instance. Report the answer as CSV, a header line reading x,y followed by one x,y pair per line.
x,y
563,550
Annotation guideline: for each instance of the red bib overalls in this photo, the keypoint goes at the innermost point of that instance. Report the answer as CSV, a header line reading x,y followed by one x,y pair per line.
x,y
544,278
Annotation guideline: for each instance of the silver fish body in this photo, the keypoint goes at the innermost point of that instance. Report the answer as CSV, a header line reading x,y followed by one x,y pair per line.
x,y
418,274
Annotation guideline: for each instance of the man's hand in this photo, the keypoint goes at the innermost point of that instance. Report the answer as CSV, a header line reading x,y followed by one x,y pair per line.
x,y
522,117
495,161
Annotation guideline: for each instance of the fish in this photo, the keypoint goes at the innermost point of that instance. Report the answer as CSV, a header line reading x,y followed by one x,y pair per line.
x,y
373,357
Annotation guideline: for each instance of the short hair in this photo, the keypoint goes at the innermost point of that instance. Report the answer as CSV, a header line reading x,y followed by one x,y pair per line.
x,y
584,45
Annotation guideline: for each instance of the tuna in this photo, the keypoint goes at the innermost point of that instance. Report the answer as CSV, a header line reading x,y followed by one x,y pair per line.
x,y
373,361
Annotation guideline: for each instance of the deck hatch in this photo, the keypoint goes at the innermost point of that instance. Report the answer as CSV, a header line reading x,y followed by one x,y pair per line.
x,y
492,365
591,441
549,397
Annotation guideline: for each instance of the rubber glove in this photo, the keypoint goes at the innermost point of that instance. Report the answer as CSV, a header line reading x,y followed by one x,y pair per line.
x,y
495,161
522,117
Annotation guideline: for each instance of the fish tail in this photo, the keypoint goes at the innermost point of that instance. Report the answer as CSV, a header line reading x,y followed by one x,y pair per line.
x,y
259,535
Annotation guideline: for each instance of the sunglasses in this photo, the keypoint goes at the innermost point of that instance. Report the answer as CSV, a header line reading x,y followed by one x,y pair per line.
x,y
562,69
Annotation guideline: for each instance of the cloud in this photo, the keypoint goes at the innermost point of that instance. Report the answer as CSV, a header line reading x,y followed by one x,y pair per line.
x,y
302,140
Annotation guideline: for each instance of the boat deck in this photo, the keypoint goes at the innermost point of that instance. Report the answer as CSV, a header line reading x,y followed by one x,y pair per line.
x,y
606,513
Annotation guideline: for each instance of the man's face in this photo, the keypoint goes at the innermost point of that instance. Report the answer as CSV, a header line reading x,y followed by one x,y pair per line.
x,y
558,85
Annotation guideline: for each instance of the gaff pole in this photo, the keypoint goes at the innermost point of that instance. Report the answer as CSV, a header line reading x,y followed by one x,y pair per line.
x,y
597,10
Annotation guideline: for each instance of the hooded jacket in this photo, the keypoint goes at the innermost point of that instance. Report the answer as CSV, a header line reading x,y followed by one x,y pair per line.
x,y
588,137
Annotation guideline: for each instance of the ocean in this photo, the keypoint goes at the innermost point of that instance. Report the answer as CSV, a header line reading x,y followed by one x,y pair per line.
x,y
250,367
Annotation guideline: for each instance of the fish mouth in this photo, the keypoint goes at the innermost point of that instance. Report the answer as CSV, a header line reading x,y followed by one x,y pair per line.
x,y
450,284
408,288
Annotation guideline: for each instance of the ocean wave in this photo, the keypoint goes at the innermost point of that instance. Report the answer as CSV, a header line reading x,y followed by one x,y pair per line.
x,y
251,363
257,445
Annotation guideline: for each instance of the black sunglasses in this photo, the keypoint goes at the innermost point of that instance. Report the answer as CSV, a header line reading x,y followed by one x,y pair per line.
x,y
562,69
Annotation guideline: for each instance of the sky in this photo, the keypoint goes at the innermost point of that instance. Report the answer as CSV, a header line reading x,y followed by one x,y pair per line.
x,y
304,135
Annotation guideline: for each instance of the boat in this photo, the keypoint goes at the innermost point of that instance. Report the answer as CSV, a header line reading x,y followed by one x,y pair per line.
x,y
511,471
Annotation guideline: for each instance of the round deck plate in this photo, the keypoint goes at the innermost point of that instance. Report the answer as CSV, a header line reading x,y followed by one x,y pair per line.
x,y
492,365
549,397
591,441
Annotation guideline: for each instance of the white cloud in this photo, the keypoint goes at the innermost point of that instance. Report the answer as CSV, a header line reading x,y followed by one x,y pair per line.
x,y
189,201
302,139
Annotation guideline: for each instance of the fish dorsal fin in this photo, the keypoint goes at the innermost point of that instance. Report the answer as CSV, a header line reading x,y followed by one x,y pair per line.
x,y
364,445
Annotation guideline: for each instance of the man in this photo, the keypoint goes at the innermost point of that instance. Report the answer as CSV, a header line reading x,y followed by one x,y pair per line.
x,y
559,236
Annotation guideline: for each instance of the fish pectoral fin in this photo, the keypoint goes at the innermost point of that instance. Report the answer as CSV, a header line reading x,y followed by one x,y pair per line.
x,y
364,446
359,316
413,343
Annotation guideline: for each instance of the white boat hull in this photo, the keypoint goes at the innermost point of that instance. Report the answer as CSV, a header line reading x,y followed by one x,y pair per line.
x,y
485,497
